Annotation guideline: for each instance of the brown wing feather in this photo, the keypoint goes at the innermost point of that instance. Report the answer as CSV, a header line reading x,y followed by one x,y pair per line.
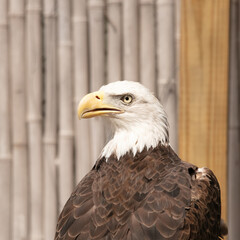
x,y
153,195
204,214
75,216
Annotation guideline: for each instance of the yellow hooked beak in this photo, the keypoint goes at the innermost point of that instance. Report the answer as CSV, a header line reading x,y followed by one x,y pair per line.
x,y
93,105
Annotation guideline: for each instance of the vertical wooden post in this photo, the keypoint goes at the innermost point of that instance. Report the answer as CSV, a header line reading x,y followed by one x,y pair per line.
x,y
81,78
34,107
234,125
5,145
65,100
204,87
166,54
130,40
147,45
114,36
97,69
20,168
50,120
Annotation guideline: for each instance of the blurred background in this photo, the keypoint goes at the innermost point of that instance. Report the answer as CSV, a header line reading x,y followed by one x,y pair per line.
x,y
53,52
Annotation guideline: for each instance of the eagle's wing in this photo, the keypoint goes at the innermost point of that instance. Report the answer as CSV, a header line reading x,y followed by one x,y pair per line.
x,y
162,216
174,212
77,211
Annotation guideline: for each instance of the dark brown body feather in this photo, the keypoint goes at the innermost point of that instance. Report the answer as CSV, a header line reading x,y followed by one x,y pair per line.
x,y
153,195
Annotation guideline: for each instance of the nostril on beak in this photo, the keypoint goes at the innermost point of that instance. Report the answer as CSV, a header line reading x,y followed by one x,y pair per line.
x,y
97,97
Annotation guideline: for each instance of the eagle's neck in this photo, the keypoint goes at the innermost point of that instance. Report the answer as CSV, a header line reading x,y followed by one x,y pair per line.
x,y
135,138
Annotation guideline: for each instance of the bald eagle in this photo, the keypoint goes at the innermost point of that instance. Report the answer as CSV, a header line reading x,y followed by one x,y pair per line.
x,y
139,188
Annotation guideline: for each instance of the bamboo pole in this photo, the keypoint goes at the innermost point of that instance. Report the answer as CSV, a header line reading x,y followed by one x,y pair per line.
x,y
5,145
114,40
97,69
204,87
147,45
65,100
20,213
177,64
177,34
114,46
81,77
234,126
34,108
166,53
130,40
50,120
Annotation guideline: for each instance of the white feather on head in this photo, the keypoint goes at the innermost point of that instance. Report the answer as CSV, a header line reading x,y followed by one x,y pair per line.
x,y
142,124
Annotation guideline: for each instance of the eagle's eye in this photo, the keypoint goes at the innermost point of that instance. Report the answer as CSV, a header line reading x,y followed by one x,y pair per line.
x,y
127,99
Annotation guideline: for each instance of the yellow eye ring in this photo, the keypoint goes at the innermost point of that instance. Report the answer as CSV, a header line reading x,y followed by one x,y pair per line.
x,y
127,99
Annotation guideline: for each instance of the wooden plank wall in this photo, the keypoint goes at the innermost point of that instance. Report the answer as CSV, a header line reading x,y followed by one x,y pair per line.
x,y
52,53
204,87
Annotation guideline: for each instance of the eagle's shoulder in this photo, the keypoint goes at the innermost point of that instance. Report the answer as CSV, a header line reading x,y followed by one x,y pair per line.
x,y
204,213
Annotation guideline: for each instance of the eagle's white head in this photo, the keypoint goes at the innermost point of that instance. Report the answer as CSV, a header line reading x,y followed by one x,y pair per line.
x,y
137,116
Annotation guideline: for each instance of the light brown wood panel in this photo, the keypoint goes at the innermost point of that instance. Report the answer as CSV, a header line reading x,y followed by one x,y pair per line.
x,y
204,87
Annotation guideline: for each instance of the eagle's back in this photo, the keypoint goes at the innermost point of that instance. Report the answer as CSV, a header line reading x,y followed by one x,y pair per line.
x,y
153,195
